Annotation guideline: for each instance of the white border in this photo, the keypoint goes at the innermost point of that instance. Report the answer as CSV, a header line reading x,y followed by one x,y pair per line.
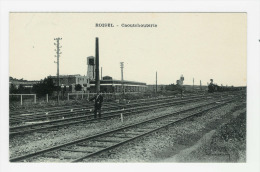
x,y
253,78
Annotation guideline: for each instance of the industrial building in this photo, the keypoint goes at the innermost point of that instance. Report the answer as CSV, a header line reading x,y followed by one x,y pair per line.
x,y
17,82
152,88
71,80
108,85
91,72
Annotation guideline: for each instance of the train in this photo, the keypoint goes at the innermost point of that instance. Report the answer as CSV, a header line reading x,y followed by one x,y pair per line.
x,y
215,88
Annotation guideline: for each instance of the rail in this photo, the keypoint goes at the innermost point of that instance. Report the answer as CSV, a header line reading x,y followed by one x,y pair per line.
x,y
128,133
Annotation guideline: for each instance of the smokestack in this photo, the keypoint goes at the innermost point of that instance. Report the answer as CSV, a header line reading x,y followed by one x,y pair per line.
x,y
97,68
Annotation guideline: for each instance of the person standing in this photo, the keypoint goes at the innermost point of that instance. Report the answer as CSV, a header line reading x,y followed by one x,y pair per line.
x,y
98,104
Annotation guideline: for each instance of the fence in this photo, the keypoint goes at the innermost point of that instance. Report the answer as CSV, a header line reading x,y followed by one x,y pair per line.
x,y
47,98
21,99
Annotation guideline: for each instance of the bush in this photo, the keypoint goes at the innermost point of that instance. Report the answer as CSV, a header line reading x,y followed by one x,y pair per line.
x,y
44,87
78,87
13,89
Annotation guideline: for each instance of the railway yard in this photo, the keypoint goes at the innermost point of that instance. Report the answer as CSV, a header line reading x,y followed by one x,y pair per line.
x,y
198,127
181,96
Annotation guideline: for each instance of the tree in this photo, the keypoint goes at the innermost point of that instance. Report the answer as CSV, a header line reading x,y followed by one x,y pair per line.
x,y
170,87
64,89
44,87
78,87
21,89
173,87
13,89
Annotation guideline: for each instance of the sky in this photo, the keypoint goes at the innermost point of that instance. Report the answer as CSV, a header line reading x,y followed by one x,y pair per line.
x,y
202,46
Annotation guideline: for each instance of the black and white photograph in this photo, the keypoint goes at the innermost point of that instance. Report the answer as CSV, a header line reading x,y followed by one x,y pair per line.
x,y
153,87
127,87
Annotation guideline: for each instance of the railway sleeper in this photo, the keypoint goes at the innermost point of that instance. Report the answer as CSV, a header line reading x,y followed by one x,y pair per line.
x,y
43,131
76,150
127,133
122,136
141,130
91,145
117,138
51,155
106,141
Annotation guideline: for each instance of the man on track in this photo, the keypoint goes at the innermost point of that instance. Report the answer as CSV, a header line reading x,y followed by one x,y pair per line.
x,y
98,104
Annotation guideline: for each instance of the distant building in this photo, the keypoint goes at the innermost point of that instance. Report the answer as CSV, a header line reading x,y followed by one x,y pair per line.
x,y
109,85
180,81
71,80
25,83
91,61
107,78
160,87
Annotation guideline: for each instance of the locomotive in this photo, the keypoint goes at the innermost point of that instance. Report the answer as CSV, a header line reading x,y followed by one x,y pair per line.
x,y
215,88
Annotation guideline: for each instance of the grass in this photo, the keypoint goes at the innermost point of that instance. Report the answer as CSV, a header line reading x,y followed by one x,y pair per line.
x,y
228,143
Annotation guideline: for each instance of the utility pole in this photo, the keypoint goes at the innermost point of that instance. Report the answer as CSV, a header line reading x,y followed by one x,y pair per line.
x,y
122,76
101,73
58,63
156,84
193,84
200,85
97,67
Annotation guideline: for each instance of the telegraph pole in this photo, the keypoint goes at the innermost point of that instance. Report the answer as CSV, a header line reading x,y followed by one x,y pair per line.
x,y
58,63
193,84
156,84
101,74
122,76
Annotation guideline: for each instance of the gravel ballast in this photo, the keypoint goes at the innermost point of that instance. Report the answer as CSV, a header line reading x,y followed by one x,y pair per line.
x,y
20,145
176,143
157,147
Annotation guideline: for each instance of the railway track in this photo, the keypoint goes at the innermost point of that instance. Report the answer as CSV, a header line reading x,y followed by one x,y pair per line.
x,y
72,112
80,116
42,110
61,107
38,110
56,114
88,147
136,108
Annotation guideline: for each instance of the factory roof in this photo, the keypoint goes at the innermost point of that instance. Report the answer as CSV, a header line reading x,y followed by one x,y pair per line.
x,y
119,82
67,76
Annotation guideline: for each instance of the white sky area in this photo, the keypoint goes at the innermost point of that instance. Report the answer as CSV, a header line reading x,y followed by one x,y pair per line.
x,y
200,45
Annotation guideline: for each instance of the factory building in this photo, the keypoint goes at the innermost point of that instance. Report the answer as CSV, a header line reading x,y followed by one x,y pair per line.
x,y
91,61
16,82
152,88
108,85
180,81
71,80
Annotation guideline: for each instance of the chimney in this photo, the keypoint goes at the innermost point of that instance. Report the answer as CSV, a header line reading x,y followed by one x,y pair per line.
x,y
97,68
